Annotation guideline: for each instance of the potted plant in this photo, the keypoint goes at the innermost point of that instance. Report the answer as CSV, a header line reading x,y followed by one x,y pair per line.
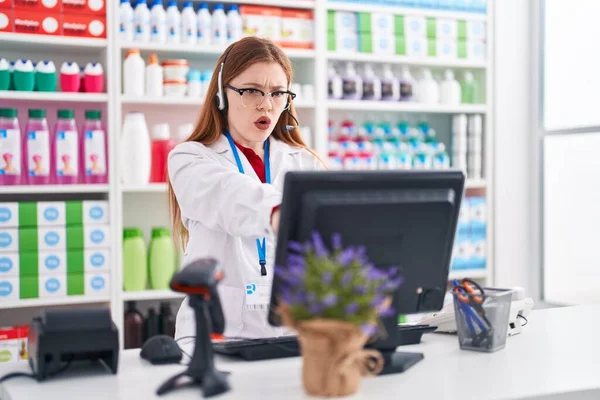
x,y
333,299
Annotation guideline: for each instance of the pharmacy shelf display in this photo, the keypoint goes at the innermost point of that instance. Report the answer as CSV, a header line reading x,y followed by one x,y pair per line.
x,y
145,206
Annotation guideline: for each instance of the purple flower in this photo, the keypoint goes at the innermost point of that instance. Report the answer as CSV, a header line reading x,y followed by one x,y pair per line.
x,y
373,274
387,312
327,277
352,308
361,254
311,298
316,308
377,301
320,248
346,257
296,260
287,296
295,246
393,284
336,241
361,289
347,279
369,329
330,300
392,271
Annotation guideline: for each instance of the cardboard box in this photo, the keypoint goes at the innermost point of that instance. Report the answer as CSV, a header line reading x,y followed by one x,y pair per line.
x,y
9,214
471,30
97,284
414,47
9,289
6,21
23,240
13,343
9,240
43,6
342,22
297,29
464,218
37,23
263,22
85,26
52,285
473,50
9,264
377,23
442,28
446,49
343,43
55,213
461,253
379,43
87,7
6,4
478,216
415,27
478,254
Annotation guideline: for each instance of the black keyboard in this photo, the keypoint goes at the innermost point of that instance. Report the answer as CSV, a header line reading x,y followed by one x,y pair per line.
x,y
287,346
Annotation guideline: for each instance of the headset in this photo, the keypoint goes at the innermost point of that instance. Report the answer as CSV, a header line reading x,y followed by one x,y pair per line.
x,y
222,99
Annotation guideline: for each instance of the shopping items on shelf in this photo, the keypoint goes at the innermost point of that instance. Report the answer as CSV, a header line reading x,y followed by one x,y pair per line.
x,y
473,6
210,24
467,144
162,144
469,251
139,329
13,342
135,150
54,249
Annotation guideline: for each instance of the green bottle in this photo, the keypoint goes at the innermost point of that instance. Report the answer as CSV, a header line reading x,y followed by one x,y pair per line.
x,y
162,258
135,256
470,89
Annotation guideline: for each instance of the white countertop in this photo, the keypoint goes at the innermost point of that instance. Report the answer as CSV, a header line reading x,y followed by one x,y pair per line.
x,y
556,357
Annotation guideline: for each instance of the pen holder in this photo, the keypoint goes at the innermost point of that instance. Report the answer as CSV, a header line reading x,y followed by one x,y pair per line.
x,y
487,331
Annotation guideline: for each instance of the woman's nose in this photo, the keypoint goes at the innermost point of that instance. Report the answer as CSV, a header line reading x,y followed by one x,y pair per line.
x,y
266,103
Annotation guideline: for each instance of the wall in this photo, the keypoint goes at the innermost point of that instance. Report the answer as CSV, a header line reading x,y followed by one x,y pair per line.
x,y
513,147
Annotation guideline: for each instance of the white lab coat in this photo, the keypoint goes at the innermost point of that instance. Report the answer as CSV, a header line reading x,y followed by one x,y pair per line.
x,y
225,212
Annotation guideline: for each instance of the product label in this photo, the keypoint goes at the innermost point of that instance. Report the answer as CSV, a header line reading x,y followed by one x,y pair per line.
x,y
67,159
10,152
38,153
94,153
349,87
406,90
387,90
368,90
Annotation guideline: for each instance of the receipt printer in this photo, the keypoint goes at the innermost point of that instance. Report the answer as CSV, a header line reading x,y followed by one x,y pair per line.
x,y
57,338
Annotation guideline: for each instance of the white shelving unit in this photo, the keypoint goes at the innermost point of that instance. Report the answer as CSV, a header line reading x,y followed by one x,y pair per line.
x,y
146,206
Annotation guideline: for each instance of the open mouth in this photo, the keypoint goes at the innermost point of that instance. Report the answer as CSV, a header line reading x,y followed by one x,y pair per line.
x,y
263,123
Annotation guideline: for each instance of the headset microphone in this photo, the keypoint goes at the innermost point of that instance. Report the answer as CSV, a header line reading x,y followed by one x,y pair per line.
x,y
289,128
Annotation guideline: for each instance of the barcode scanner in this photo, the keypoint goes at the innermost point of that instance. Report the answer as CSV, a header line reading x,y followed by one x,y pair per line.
x,y
199,281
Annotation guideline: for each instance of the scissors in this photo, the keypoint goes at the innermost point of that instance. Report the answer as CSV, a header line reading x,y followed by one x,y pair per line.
x,y
471,297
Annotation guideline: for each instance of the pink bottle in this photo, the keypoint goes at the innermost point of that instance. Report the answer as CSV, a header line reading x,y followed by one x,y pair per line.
x,y
70,77
66,149
10,148
36,149
94,165
161,146
93,78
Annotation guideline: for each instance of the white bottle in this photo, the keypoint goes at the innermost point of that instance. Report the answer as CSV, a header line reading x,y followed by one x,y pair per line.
x,y
335,90
158,23
234,24
173,23
188,24
429,92
141,22
133,74
154,78
371,84
450,92
135,150
204,25
407,85
126,21
219,26
352,83
390,85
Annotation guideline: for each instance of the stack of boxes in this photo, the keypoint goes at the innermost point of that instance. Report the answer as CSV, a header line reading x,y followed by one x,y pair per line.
x,y
77,18
470,244
472,6
54,249
406,35
287,27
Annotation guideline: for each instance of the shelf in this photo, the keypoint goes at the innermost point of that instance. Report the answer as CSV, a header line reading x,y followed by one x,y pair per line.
x,y
476,184
47,302
150,188
186,101
412,107
405,60
151,295
54,96
275,3
208,51
372,8
28,42
47,189
468,273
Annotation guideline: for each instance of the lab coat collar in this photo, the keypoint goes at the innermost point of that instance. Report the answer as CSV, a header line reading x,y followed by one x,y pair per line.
x,y
221,146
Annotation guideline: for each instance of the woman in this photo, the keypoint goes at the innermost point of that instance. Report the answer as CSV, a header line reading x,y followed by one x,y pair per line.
x,y
226,181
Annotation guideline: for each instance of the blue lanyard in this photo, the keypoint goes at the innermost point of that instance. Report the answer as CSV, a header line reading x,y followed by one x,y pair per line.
x,y
261,245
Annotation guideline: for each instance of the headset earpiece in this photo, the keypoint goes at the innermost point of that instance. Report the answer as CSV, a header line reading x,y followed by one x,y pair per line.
x,y
221,100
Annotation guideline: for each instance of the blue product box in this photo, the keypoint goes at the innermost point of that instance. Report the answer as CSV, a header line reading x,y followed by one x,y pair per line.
x,y
461,5
478,252
464,218
445,4
461,253
478,216
429,4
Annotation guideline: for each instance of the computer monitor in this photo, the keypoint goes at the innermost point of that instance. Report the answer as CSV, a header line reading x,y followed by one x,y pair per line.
x,y
406,219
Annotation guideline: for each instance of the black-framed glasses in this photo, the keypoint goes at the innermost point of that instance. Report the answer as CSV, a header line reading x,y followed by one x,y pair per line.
x,y
252,98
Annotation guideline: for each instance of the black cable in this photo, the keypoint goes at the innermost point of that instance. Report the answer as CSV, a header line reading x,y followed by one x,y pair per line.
x,y
520,316
16,375
185,337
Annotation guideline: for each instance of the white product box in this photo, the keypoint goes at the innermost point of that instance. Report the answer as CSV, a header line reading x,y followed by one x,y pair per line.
x,y
97,284
9,288
383,24
346,42
345,22
415,27
476,50
54,285
51,213
96,260
478,252
9,240
96,237
9,215
297,29
446,29
9,264
464,217
50,238
461,253
447,49
264,22
478,215
95,212
476,30
384,44
417,47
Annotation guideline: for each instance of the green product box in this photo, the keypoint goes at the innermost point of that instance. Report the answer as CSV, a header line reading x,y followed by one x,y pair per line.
x,y
400,45
365,44
364,22
330,21
399,25
331,41
431,28
432,47
462,49
462,29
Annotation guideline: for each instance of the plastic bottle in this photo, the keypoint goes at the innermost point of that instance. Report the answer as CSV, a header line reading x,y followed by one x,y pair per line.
x,y
126,29
135,256
66,149
441,159
94,149
219,26
10,148
390,86
45,76
173,23
234,24
470,89
70,80
24,75
428,92
407,85
189,24
154,77
5,77
161,146
133,74
134,327
335,89
162,258
141,22
371,84
135,150
167,322
158,23
450,89
37,149
351,83
204,25
151,324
